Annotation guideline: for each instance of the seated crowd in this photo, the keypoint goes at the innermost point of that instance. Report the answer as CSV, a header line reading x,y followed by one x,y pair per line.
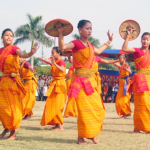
x,y
109,92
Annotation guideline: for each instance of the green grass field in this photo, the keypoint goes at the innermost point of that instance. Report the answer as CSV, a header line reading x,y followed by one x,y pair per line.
x,y
117,134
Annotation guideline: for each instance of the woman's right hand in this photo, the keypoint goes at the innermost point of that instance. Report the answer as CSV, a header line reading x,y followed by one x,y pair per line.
x,y
129,29
60,27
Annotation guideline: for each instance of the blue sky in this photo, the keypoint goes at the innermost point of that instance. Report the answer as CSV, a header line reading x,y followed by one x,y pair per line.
x,y
104,15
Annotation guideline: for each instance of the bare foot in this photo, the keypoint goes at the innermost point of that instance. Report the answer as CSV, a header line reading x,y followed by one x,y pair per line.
x,y
124,117
27,117
128,115
81,141
4,133
136,131
12,136
94,140
57,127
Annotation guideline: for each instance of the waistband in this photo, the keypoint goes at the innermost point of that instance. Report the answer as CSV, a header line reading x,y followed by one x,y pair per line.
x,y
82,72
11,74
143,71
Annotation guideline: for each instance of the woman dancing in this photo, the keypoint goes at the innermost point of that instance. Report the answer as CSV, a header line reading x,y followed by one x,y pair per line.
x,y
57,92
140,84
30,82
12,90
123,96
91,112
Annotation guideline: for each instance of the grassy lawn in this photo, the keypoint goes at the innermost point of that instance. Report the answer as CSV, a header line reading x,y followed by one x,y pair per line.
x,y
117,134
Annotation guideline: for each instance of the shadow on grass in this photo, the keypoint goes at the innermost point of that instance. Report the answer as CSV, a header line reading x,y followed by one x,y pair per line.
x,y
38,138
46,128
118,131
117,124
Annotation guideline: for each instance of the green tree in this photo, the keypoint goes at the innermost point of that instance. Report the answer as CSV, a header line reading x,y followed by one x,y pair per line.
x,y
92,40
36,61
32,31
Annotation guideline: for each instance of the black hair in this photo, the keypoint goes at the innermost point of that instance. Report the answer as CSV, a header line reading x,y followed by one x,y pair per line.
x,y
58,50
125,56
105,81
145,33
6,31
82,23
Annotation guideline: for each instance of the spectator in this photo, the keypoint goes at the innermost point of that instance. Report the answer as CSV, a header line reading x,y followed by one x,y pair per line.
x,y
40,88
106,92
36,94
45,88
114,92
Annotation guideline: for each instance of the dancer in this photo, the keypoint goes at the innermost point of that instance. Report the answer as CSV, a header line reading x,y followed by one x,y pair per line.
x,y
12,90
30,83
123,96
91,112
57,92
71,106
140,83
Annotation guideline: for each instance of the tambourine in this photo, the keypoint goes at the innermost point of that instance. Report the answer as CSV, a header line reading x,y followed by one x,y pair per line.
x,y
67,52
52,27
45,61
124,28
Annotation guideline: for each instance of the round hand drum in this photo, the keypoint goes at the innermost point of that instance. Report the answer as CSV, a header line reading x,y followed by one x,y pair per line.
x,y
124,28
52,27
67,52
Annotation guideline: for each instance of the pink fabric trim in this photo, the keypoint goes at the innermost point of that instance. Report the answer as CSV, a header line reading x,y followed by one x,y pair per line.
x,y
78,84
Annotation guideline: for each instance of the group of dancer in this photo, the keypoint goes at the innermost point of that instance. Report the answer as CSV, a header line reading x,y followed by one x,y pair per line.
x,y
83,85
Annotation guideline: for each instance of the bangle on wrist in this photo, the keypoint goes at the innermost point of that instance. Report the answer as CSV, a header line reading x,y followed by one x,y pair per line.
x,y
107,44
27,55
128,37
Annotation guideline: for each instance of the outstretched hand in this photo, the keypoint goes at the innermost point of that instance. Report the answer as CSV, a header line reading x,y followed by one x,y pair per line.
x,y
110,36
35,48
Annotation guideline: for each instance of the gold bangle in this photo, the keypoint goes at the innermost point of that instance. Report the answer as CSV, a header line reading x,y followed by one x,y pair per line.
x,y
128,37
27,55
106,44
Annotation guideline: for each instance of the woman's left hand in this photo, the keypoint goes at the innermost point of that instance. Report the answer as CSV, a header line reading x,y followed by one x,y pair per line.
x,y
34,69
34,48
110,36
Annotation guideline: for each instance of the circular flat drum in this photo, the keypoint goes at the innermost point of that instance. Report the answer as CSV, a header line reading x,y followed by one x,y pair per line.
x,y
52,27
124,28
67,52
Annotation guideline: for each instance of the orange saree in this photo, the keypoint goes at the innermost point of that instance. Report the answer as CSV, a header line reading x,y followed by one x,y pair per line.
x,y
57,94
91,112
140,85
122,100
12,90
30,83
71,106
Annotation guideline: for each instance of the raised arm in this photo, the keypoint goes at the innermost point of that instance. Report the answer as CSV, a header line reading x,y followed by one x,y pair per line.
x,y
125,47
62,45
104,61
126,67
27,55
61,68
103,47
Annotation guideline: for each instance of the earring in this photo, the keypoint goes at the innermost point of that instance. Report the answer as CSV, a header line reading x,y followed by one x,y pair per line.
x,y
80,31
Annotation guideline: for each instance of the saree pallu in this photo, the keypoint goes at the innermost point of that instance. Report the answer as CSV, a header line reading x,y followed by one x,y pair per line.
x,y
55,102
30,83
12,93
71,106
142,99
123,101
90,107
